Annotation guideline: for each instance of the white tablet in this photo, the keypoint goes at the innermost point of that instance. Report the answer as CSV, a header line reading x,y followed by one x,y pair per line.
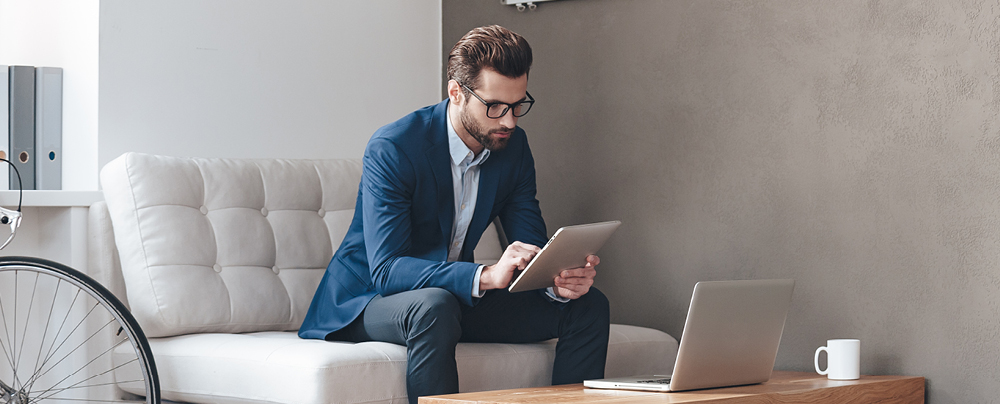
x,y
567,249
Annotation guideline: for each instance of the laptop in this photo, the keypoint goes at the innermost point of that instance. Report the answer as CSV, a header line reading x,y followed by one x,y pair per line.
x,y
730,338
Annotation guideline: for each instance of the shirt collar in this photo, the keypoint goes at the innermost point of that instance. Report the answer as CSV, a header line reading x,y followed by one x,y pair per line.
x,y
457,148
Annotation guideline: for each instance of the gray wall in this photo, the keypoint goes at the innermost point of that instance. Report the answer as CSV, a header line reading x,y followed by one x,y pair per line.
x,y
851,145
258,78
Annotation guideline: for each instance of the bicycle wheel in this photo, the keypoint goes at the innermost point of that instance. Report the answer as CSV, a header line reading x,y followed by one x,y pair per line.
x,y
67,339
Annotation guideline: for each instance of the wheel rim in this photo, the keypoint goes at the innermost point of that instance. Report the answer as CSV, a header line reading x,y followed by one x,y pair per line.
x,y
62,340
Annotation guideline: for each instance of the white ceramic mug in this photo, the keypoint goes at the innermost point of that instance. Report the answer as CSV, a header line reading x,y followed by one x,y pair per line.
x,y
843,359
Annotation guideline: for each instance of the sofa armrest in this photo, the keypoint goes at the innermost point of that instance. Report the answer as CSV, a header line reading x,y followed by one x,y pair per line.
x,y
102,257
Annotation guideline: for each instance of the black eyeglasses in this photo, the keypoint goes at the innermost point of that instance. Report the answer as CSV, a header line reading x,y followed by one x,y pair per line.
x,y
496,110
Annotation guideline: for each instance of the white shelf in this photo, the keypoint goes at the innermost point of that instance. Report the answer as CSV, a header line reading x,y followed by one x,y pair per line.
x,y
8,199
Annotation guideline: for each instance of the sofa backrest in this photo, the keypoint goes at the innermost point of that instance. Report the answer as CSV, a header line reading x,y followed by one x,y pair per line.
x,y
227,245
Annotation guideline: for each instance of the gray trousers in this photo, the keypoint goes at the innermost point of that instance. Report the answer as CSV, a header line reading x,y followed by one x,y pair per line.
x,y
430,322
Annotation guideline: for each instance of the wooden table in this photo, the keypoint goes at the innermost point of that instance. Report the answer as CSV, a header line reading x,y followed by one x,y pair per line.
x,y
784,387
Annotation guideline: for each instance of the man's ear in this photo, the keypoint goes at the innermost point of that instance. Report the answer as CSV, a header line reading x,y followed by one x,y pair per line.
x,y
455,92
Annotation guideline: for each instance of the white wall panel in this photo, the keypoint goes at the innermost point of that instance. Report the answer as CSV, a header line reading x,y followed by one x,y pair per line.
x,y
237,78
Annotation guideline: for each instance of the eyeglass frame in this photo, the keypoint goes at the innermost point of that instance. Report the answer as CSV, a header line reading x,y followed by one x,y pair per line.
x,y
510,107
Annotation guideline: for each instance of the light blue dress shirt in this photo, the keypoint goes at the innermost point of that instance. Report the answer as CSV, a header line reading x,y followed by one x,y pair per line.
x,y
465,167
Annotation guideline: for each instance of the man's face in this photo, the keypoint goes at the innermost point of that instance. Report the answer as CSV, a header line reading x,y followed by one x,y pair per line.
x,y
492,134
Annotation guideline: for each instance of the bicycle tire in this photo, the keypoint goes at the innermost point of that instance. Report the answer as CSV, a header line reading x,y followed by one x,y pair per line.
x,y
95,384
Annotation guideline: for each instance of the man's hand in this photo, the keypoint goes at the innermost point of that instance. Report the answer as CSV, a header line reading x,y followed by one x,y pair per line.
x,y
573,283
515,258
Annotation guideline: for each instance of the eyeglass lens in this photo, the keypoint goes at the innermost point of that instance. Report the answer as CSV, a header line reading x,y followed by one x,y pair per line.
x,y
498,110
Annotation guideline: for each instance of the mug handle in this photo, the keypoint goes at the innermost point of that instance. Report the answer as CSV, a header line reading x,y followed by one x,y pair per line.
x,y
816,360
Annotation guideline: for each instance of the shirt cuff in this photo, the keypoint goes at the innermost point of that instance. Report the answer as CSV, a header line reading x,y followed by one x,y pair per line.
x,y
475,284
551,293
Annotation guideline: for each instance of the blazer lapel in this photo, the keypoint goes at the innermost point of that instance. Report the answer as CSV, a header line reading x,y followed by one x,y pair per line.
x,y
440,162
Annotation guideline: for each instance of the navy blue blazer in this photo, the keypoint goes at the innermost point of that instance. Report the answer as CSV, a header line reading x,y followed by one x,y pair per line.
x,y
398,239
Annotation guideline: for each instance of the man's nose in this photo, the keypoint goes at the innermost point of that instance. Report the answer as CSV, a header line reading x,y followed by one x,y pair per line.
x,y
508,120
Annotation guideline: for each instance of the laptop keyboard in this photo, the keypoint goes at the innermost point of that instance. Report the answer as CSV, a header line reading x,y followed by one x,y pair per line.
x,y
655,381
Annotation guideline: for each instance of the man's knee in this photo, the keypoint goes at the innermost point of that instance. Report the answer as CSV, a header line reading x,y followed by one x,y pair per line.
x,y
593,306
435,301
596,301
435,311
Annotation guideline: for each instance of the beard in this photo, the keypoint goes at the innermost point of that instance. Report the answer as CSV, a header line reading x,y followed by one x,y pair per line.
x,y
481,135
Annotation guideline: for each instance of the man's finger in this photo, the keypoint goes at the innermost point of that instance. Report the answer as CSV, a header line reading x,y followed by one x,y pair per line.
x,y
560,281
570,273
519,246
578,273
575,280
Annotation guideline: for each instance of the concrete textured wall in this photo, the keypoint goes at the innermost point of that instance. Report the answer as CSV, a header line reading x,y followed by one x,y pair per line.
x,y
851,145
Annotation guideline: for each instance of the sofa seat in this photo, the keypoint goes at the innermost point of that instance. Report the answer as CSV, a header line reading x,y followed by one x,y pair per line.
x,y
280,367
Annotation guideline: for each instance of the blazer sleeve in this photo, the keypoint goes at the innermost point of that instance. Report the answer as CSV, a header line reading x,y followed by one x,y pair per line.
x,y
388,182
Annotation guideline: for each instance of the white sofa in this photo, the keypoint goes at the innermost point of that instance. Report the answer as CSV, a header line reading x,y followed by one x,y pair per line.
x,y
218,260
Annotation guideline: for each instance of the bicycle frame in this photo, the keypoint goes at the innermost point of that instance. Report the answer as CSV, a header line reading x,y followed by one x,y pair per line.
x,y
12,218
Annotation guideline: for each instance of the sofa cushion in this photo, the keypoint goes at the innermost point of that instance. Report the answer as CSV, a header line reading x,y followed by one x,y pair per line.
x,y
278,367
229,245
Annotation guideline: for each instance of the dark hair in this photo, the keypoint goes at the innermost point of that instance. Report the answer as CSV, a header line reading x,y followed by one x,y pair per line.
x,y
492,47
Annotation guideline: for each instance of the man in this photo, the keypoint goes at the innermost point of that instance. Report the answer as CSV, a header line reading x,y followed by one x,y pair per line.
x,y
431,184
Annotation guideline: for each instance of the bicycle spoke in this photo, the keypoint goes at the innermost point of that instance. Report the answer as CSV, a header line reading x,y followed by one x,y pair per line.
x,y
88,364
74,349
10,356
12,339
117,382
12,344
6,333
38,372
27,321
79,358
48,355
4,346
90,400
50,352
48,321
47,391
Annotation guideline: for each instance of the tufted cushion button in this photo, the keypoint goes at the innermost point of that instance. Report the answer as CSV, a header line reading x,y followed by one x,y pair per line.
x,y
217,268
275,269
322,212
263,211
203,210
